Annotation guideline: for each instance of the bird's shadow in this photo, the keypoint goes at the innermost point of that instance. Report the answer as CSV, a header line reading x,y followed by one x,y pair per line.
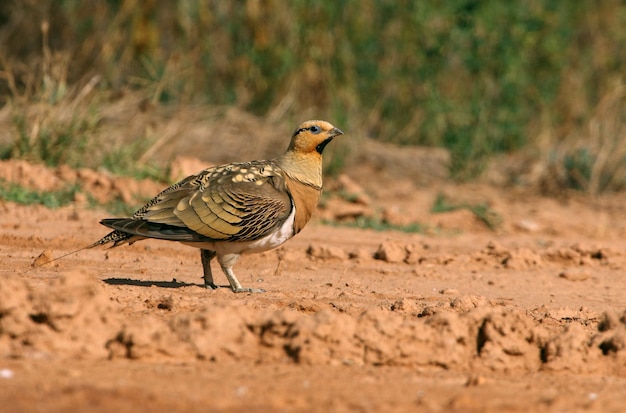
x,y
148,283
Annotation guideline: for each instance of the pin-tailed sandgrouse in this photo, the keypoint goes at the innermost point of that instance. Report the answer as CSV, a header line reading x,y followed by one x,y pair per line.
x,y
237,208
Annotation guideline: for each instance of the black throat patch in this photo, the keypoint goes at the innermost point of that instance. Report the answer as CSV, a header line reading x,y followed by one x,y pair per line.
x,y
320,148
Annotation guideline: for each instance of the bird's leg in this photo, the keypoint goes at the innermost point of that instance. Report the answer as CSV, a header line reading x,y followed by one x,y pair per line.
x,y
226,262
206,257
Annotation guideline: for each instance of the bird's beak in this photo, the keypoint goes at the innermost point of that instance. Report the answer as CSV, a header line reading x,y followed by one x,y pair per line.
x,y
336,132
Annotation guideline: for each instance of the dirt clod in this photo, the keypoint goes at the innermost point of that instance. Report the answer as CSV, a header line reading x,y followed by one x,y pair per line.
x,y
43,258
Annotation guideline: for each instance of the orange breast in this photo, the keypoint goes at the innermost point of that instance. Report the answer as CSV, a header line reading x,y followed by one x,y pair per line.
x,y
305,199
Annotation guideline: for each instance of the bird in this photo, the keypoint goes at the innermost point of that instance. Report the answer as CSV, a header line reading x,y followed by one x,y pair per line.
x,y
237,208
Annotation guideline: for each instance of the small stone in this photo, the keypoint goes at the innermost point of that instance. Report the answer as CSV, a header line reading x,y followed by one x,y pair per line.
x,y
325,252
6,374
574,275
528,225
391,251
43,258
475,380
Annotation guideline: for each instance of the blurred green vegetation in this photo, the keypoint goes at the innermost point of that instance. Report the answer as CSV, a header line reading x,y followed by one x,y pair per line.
x,y
10,191
477,77
379,225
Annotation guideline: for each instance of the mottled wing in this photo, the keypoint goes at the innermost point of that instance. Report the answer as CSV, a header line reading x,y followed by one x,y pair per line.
x,y
236,202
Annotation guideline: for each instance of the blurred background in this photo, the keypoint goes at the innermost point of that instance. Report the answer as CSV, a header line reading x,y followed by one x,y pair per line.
x,y
534,88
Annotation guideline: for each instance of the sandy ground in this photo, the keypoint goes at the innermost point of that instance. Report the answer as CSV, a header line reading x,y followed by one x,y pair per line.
x,y
461,318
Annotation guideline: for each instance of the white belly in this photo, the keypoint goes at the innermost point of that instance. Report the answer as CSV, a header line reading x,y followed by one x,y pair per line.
x,y
271,241
276,239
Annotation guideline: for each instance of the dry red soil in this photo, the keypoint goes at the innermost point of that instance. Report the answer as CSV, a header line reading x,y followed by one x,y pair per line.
x,y
461,318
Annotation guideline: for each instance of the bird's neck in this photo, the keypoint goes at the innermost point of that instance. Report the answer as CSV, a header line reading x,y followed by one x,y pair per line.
x,y
305,168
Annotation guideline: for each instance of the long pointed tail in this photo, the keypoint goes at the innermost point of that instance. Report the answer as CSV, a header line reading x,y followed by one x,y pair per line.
x,y
115,237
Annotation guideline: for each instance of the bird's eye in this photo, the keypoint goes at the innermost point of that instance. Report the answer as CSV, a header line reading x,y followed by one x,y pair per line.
x,y
315,129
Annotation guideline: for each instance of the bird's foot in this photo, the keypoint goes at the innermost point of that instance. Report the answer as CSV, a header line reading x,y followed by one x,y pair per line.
x,y
213,286
248,290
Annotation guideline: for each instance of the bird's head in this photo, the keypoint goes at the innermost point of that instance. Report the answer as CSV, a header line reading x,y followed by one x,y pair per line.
x,y
303,159
312,136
